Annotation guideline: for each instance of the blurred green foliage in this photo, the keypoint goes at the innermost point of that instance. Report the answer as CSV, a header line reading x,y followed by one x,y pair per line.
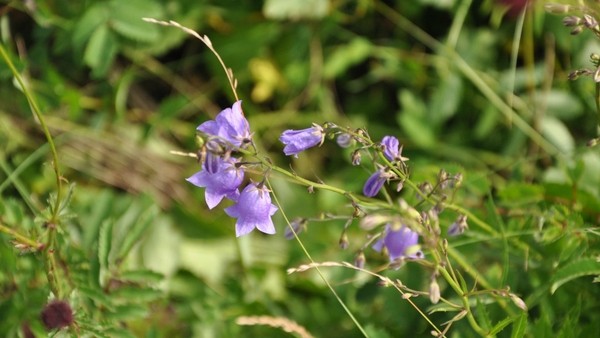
x,y
141,256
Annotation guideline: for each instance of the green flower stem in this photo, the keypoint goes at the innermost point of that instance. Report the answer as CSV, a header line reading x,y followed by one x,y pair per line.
x,y
51,266
465,301
21,238
38,114
597,100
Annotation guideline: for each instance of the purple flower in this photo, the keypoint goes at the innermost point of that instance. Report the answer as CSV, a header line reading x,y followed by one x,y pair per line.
x,y
399,243
253,209
223,182
376,181
230,125
299,140
459,226
390,147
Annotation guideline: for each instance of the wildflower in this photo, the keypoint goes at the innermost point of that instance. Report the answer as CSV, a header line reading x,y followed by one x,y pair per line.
x,y
459,226
434,291
295,227
223,182
299,140
57,314
344,140
399,243
376,181
253,209
390,147
230,125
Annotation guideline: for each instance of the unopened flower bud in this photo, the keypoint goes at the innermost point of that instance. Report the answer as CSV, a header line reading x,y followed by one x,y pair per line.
x,y
359,261
597,75
397,263
557,8
590,22
593,142
344,140
458,179
576,30
296,227
57,314
572,21
442,178
356,157
518,302
344,241
400,186
434,291
407,295
459,226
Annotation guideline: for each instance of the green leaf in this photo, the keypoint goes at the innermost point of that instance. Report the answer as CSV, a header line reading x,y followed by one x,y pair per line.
x,y
94,17
346,56
143,276
137,294
519,326
557,133
295,9
104,247
445,99
501,325
583,267
101,50
126,19
517,193
137,231
413,120
128,312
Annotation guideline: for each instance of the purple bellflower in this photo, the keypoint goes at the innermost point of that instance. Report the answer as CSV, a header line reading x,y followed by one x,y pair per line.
x,y
299,140
230,125
375,182
223,182
400,243
392,149
253,209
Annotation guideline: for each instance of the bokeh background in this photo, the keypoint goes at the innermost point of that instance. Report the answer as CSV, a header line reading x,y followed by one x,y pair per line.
x,y
450,78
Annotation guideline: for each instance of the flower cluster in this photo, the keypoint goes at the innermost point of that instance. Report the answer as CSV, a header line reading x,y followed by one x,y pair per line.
x,y
392,150
400,243
222,174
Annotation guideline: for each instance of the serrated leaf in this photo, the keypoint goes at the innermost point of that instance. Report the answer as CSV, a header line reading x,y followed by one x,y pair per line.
x,y
443,307
519,326
516,193
96,295
136,294
135,233
501,325
128,312
584,267
104,248
142,276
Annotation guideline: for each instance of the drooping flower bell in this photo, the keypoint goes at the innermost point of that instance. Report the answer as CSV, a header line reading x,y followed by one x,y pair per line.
x,y
230,126
219,183
253,209
400,243
375,182
297,141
